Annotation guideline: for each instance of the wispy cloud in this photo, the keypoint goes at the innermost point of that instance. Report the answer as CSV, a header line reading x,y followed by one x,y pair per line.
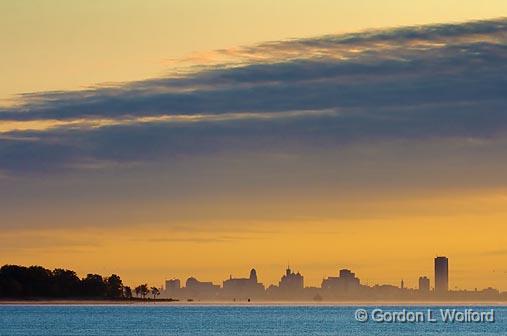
x,y
199,240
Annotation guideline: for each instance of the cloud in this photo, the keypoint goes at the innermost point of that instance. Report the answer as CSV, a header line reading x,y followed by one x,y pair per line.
x,y
26,242
502,252
198,240
409,84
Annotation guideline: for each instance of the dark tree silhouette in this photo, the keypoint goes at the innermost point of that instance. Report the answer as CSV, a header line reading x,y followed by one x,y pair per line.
x,y
144,290
65,283
39,282
155,292
114,286
20,281
13,281
138,290
94,286
127,292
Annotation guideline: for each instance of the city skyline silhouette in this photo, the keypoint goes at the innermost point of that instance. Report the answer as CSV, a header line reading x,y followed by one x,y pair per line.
x,y
346,286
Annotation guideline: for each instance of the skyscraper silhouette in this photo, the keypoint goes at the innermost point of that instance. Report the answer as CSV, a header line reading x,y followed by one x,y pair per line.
x,y
441,275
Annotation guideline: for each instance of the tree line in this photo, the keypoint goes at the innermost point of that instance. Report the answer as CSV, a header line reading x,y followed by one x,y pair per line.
x,y
39,282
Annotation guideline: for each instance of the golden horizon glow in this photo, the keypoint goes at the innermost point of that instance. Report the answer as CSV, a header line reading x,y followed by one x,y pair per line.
x,y
381,246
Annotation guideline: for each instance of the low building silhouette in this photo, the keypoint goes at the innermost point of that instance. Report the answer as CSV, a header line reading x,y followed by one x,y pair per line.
x,y
424,285
385,292
172,288
201,289
291,281
345,284
290,286
243,288
172,284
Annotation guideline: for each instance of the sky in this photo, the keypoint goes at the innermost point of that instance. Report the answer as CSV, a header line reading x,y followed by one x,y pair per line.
x,y
167,139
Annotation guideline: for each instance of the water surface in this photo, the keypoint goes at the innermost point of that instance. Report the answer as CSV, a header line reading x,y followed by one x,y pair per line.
x,y
222,320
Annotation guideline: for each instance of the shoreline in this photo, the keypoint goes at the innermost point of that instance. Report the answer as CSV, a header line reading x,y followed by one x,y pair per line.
x,y
162,302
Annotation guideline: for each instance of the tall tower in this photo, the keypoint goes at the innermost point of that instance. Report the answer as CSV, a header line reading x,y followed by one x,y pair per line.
x,y
441,275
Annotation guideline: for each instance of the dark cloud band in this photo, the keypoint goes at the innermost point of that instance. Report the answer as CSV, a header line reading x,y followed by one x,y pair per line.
x,y
410,83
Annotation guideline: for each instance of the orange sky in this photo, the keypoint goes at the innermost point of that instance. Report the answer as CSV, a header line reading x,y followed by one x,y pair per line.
x,y
382,240
383,206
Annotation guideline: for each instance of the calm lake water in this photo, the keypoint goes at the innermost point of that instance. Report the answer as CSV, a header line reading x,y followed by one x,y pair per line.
x,y
155,320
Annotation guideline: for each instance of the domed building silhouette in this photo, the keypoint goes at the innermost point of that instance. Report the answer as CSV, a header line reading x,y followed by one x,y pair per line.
x,y
243,288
